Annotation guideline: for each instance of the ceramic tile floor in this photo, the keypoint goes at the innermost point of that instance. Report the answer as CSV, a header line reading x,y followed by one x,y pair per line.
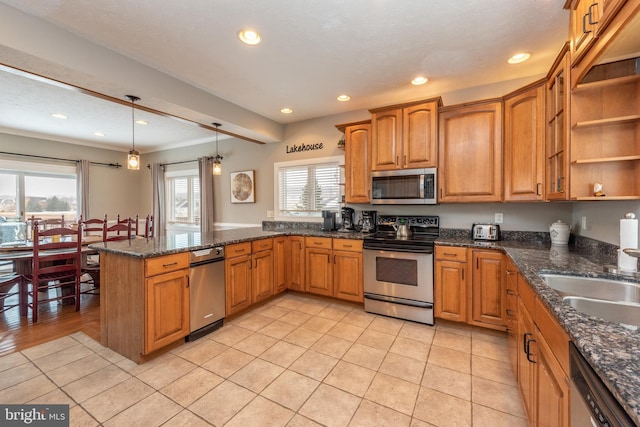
x,y
296,361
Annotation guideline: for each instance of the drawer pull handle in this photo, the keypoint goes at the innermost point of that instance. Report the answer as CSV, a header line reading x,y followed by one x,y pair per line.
x,y
510,292
348,246
317,243
510,313
170,264
240,250
510,273
449,254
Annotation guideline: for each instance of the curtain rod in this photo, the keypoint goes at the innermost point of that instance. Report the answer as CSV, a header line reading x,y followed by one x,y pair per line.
x,y
111,165
178,163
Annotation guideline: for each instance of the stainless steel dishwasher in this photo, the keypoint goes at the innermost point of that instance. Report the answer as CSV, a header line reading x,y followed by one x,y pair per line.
x,y
207,291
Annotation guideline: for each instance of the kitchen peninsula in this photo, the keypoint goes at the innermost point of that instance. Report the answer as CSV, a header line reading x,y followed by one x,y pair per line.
x,y
130,269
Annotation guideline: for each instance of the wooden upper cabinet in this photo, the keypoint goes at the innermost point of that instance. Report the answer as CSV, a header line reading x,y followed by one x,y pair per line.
x,y
419,130
357,161
524,130
386,139
405,136
470,152
583,20
558,132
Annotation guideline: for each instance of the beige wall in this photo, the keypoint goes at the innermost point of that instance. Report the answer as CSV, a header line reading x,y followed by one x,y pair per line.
x,y
113,191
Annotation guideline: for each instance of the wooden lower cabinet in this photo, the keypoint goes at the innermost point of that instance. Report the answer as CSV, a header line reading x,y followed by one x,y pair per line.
x,y
450,287
237,271
167,309
295,263
319,268
262,275
347,270
280,264
511,313
542,357
145,306
488,290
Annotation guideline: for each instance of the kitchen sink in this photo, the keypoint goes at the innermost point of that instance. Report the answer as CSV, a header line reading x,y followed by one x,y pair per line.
x,y
620,312
612,300
591,287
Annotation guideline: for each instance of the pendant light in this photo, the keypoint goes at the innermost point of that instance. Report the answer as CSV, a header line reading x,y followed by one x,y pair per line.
x,y
217,166
133,159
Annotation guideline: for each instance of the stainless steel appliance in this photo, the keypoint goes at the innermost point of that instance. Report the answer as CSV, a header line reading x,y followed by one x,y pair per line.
x,y
207,291
328,220
398,272
485,232
368,221
347,219
591,403
404,187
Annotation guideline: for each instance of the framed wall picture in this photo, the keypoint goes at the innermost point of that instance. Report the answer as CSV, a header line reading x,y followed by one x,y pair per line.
x,y
242,187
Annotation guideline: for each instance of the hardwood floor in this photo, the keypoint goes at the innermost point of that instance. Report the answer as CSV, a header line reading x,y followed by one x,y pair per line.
x,y
54,321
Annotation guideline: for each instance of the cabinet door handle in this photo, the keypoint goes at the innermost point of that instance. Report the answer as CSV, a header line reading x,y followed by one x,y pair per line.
x,y
170,264
510,292
397,160
509,272
590,14
463,274
529,355
334,259
510,313
188,281
584,24
405,160
538,188
525,348
300,245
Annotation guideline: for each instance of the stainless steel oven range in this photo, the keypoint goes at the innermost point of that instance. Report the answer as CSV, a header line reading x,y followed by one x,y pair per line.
x,y
398,267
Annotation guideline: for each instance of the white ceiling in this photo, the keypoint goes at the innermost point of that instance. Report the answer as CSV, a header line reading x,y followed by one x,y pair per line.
x,y
311,52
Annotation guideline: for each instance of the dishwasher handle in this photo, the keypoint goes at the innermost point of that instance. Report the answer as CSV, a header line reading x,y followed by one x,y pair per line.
x,y
205,262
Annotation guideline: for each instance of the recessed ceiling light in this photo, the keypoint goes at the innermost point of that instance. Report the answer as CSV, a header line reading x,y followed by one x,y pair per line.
x,y
343,98
142,122
249,37
99,134
286,110
518,58
59,116
419,81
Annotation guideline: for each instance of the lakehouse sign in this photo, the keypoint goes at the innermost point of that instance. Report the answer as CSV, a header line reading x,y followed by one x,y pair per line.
x,y
305,147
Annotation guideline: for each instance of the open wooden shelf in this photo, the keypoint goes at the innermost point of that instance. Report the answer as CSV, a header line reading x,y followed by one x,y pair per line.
x,y
608,122
606,159
585,87
606,198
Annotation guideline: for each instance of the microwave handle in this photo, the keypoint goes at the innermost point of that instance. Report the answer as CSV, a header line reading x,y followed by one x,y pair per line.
x,y
422,184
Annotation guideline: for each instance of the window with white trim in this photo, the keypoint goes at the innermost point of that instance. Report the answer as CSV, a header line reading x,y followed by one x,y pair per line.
x,y
182,189
303,189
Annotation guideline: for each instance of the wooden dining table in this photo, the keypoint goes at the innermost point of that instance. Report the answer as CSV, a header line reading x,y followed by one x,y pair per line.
x,y
21,253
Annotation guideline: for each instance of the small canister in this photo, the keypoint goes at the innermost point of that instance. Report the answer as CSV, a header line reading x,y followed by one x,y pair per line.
x,y
559,232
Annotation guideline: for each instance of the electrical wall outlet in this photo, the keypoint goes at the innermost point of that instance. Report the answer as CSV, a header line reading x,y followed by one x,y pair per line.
x,y
270,214
583,222
498,218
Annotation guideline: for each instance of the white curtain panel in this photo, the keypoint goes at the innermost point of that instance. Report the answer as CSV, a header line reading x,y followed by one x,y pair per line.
x,y
157,179
205,170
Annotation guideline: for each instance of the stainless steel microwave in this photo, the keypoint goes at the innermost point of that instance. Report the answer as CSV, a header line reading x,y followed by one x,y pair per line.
x,y
404,187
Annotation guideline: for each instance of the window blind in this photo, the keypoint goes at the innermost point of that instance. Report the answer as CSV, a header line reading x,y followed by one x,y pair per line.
x,y
305,190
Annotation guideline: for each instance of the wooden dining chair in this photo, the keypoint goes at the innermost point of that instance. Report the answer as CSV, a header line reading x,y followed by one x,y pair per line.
x,y
50,223
121,230
56,266
12,293
91,264
148,227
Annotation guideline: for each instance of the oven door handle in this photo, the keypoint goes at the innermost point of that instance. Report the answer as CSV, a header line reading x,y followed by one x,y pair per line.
x,y
401,301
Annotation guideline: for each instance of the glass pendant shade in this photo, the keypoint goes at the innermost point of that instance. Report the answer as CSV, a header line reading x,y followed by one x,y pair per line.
x,y
133,160
217,167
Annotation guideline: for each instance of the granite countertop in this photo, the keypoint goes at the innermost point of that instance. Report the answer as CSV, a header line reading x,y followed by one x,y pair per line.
x,y
177,242
612,349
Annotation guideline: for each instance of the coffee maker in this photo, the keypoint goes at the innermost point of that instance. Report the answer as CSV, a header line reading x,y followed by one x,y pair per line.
x,y
328,220
347,219
368,221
